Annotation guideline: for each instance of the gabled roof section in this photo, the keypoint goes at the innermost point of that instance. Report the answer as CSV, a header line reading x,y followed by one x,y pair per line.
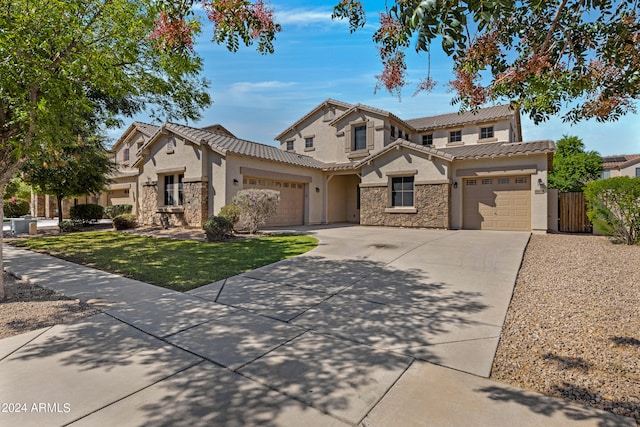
x,y
500,149
224,144
372,110
458,119
620,162
144,128
322,105
218,128
401,143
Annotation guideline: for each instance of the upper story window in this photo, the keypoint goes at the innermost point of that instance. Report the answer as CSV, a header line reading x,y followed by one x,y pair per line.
x,y
400,134
393,131
173,190
406,136
427,139
125,155
455,136
486,132
360,138
289,145
402,191
308,142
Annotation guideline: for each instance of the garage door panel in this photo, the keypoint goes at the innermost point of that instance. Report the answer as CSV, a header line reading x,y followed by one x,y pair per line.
x,y
291,207
502,203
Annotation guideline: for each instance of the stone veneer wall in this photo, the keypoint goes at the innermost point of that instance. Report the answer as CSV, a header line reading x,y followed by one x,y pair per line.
x,y
195,203
430,200
192,214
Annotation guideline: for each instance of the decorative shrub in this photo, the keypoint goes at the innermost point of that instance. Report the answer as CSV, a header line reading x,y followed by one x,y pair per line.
x,y
15,208
70,225
256,207
86,213
614,207
231,212
217,228
124,222
116,210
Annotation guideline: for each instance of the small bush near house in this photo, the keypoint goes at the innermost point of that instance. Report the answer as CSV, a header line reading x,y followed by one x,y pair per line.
x,y
614,207
256,207
124,222
70,225
116,210
217,228
15,207
86,213
231,212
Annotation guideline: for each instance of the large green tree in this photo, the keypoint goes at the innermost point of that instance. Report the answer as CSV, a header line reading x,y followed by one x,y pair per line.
x,y
71,170
583,55
573,167
70,64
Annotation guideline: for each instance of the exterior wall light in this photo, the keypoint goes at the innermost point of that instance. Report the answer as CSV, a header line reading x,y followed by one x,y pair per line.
x,y
455,184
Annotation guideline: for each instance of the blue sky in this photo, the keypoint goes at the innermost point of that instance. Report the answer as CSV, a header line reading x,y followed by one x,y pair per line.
x,y
258,96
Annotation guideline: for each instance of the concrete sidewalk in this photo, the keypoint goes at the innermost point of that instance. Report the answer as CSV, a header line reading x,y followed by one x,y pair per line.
x,y
374,327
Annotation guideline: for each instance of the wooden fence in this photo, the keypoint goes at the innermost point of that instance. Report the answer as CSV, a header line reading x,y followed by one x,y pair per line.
x,y
573,213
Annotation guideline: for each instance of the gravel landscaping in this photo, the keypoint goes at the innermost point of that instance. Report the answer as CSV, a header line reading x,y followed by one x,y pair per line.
x,y
30,307
573,326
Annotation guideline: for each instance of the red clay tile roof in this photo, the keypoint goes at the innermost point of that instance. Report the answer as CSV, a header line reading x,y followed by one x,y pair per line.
x,y
612,162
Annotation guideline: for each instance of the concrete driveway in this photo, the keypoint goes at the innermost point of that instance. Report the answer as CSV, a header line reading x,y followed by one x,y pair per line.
x,y
376,326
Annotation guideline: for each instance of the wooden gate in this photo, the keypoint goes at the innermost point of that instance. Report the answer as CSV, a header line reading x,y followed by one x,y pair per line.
x,y
573,213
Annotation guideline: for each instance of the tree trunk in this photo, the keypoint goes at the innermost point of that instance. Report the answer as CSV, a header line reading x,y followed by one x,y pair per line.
x,y
59,200
3,293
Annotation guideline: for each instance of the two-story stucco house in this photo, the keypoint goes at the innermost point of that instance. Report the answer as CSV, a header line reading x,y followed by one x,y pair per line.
x,y
346,163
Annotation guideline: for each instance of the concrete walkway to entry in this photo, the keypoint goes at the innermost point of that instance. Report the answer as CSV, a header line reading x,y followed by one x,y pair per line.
x,y
374,327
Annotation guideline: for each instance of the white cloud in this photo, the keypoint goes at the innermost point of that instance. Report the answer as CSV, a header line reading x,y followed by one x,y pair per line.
x,y
304,17
244,87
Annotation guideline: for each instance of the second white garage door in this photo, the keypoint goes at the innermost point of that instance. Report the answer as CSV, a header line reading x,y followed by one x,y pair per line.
x,y
291,208
497,203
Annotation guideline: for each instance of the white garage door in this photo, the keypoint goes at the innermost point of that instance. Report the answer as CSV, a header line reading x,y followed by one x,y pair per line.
x,y
291,208
497,203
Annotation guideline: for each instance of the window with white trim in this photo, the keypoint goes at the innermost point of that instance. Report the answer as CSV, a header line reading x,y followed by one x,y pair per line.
x,y
455,136
173,190
402,191
607,174
289,145
125,155
637,172
427,139
308,142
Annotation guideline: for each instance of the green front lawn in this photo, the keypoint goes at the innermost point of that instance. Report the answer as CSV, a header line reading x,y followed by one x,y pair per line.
x,y
175,264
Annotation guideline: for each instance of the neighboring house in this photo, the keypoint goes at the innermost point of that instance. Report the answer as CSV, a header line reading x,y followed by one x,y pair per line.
x,y
346,163
622,165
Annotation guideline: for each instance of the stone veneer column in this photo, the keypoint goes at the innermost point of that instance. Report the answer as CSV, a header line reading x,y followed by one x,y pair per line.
x,y
195,203
430,200
148,204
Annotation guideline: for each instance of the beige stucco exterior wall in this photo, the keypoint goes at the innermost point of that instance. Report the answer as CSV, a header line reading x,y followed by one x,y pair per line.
x,y
503,131
403,159
324,136
171,155
504,167
342,205
629,171
312,178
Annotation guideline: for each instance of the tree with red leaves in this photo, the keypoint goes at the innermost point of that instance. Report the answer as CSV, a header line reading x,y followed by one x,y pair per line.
x,y
543,56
